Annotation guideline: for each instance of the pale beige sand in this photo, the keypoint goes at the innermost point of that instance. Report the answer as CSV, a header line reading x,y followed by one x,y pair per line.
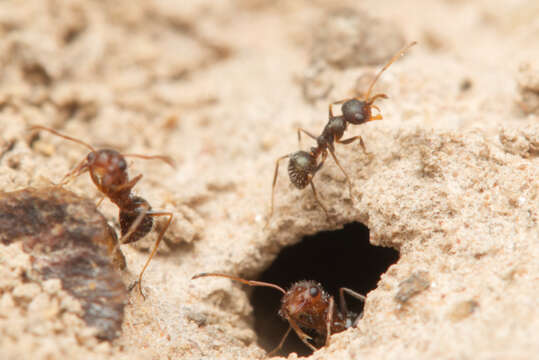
x,y
222,87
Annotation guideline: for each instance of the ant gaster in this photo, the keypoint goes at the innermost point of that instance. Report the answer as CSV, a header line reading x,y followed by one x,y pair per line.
x,y
303,165
108,170
306,306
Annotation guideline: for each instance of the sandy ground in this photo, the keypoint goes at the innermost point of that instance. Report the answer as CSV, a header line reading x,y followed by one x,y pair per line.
x,y
222,87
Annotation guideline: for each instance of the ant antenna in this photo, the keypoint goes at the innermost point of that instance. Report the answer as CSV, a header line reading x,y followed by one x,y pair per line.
x,y
166,159
247,282
39,127
163,158
393,59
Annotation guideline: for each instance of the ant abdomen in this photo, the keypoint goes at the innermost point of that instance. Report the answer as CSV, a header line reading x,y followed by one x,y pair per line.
x,y
301,165
355,111
129,214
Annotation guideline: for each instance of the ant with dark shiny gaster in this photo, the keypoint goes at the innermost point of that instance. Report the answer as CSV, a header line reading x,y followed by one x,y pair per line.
x,y
306,306
303,165
108,171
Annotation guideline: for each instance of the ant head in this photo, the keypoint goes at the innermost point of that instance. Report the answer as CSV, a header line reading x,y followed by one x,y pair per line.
x,y
301,165
109,166
306,303
355,111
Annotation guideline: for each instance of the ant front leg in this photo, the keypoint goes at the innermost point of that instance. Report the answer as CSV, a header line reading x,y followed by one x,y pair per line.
x,y
275,174
80,169
128,185
302,336
101,198
329,320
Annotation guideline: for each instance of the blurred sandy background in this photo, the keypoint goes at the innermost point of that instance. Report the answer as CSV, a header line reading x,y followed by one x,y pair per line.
x,y
222,86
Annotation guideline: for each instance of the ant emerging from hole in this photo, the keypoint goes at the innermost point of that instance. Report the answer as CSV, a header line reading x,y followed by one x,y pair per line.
x,y
307,306
108,170
303,165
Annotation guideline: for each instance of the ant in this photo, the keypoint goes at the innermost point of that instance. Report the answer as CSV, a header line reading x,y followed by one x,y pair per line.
x,y
303,165
108,171
307,306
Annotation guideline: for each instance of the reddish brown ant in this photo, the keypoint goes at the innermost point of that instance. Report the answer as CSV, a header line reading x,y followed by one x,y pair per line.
x,y
108,170
303,165
307,306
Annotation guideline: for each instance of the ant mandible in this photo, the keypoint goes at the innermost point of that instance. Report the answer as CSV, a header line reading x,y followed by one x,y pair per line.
x,y
303,165
307,306
108,170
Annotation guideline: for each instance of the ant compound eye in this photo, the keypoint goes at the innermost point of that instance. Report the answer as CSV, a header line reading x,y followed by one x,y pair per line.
x,y
91,157
313,291
122,164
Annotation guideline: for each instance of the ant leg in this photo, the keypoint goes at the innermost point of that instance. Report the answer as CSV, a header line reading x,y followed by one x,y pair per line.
x,y
81,168
332,152
310,180
329,320
342,300
306,133
128,185
101,198
273,186
163,158
154,250
352,139
134,226
272,352
331,110
317,200
302,336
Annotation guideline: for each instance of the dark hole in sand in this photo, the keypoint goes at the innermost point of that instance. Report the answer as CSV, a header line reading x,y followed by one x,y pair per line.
x,y
342,258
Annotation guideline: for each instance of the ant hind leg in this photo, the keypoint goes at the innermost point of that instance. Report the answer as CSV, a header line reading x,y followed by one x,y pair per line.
x,y
275,174
317,199
156,246
344,172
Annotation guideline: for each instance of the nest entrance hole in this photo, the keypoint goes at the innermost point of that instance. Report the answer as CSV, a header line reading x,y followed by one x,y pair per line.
x,y
341,258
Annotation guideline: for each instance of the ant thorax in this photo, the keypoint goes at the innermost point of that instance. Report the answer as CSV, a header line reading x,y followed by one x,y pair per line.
x,y
335,128
301,165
